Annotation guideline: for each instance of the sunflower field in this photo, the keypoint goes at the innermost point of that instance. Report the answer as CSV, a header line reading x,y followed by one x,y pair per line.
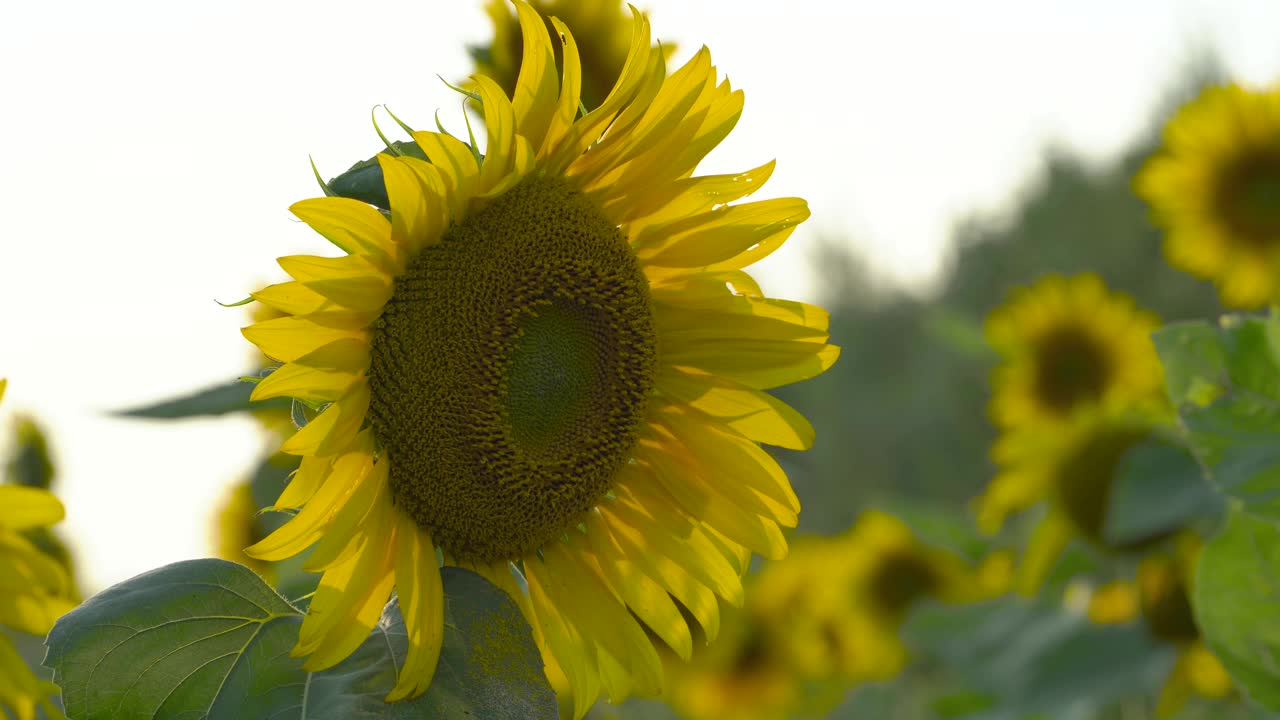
x,y
532,439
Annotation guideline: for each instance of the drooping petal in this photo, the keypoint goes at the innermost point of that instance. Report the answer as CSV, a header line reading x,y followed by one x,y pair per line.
x,y
421,605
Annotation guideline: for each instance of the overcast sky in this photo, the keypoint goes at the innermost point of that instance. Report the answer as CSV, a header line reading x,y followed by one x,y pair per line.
x,y
149,150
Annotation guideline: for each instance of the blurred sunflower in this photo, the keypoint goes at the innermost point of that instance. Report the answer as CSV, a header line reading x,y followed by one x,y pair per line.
x,y
602,29
1067,344
31,465
549,364
35,590
236,523
886,570
744,675
1162,597
1215,188
1075,471
783,654
236,526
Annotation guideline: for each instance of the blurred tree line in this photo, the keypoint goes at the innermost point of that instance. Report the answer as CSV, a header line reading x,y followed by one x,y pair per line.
x,y
903,414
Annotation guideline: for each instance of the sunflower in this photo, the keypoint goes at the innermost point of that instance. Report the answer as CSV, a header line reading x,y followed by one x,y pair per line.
x,y
35,590
1067,344
783,654
886,571
1162,598
603,27
1075,471
744,675
547,363
1215,188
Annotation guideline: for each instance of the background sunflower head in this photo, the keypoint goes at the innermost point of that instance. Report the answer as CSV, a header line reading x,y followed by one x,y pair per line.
x,y
602,29
1214,187
1068,345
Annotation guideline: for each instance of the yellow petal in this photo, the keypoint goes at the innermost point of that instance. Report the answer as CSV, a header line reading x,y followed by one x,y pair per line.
x,y
332,430
22,508
754,413
534,99
305,383
645,597
421,605
719,235
289,338
500,120
731,461
350,618
350,224
291,298
365,507
568,646
457,167
305,528
304,483
570,89
761,364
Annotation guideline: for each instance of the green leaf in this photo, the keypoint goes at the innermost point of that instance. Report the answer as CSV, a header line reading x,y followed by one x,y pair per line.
x,y
208,638
1226,382
1158,488
1237,592
1194,359
363,181
1032,657
221,399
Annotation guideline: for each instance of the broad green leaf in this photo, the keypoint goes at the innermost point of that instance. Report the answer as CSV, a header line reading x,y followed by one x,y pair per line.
x,y
1195,363
1032,657
1158,488
1237,593
208,638
363,181
216,400
1226,382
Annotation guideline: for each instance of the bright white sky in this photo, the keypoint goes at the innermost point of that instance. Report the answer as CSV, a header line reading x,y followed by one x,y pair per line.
x,y
149,150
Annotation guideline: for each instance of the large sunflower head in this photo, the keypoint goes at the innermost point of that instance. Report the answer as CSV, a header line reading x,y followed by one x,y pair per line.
x,y
1068,345
35,590
1215,188
545,360
601,27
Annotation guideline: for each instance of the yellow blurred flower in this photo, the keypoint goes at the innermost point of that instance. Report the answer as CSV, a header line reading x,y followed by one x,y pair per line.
x,y
780,655
1074,470
1162,598
1215,189
1069,345
236,527
885,571
35,590
744,675
602,29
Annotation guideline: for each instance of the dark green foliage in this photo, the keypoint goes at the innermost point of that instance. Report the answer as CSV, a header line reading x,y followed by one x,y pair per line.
x,y
208,639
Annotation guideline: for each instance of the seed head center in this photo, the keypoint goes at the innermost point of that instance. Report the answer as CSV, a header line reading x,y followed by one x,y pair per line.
x,y
510,372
